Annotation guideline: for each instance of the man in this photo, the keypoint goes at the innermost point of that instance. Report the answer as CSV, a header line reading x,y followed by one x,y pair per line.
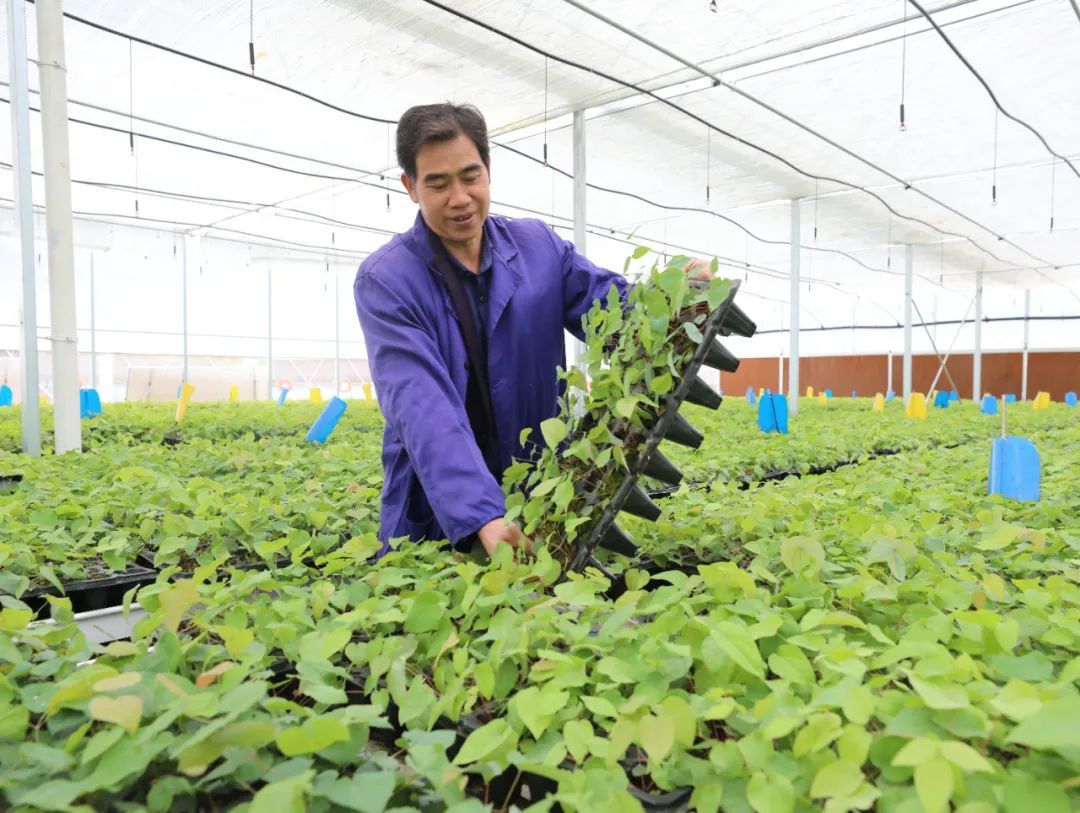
x,y
463,316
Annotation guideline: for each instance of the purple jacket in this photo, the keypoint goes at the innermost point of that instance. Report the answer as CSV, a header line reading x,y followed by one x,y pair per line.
x,y
436,484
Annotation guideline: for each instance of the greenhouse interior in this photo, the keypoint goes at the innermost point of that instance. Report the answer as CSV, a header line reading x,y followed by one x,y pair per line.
x,y
553,405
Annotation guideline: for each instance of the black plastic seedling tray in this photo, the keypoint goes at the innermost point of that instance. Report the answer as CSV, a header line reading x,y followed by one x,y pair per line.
x,y
726,320
91,594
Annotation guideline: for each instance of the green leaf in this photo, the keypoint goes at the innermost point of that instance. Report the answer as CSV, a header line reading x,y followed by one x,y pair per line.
x,y
770,793
934,785
175,600
312,736
283,796
916,752
367,792
554,432
858,705
940,694
485,742
656,735
426,612
577,734
125,710
802,555
839,778
1055,726
965,757
661,384
624,407
736,643
1017,700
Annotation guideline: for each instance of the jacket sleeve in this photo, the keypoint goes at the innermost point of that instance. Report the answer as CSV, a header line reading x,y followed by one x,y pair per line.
x,y
420,402
583,282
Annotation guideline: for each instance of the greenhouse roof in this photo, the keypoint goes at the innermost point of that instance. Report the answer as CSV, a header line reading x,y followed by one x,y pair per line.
x,y
702,126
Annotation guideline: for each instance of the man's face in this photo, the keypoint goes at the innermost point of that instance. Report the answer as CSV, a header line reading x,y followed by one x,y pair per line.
x,y
453,189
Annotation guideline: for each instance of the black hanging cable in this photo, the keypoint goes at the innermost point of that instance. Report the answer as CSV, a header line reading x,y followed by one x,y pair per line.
x,y
993,188
131,120
388,164
251,36
1053,175
545,110
1076,8
989,91
709,165
816,199
903,69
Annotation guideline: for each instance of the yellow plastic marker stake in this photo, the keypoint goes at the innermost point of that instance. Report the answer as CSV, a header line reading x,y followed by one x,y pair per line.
x,y
809,392
1042,400
367,393
760,391
823,398
879,403
186,391
316,395
234,394
916,406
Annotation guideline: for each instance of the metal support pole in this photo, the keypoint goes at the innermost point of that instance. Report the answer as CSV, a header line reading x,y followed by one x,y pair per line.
x,y
337,335
269,334
793,304
183,307
888,373
580,189
780,372
976,359
1027,331
24,224
56,161
93,327
909,265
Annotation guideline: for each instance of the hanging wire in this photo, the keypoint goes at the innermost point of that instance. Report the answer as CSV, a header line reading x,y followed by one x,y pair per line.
x,y
708,164
388,164
941,265
1053,176
993,190
131,120
903,66
888,256
816,199
251,35
545,109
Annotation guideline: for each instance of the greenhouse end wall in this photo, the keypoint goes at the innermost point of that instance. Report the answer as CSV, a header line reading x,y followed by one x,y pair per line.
x,y
1054,372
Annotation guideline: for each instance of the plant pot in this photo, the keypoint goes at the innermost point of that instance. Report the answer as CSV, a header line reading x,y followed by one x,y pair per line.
x,y
9,481
91,594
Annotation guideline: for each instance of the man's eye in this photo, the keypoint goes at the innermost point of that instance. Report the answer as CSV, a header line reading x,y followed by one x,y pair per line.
x,y
472,178
438,187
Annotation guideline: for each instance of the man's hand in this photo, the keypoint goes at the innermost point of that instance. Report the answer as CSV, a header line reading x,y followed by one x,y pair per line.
x,y
699,269
498,531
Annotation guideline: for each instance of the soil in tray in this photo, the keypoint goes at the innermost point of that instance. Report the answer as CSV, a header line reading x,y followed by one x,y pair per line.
x,y
95,593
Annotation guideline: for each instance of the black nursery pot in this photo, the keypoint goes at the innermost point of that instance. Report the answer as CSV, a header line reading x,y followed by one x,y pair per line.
x,y
91,594
9,481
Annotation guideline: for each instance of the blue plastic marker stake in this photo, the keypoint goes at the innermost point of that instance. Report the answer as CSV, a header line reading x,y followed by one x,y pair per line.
x,y
327,420
93,402
890,395
6,396
780,413
750,397
281,396
941,399
828,393
953,396
1070,399
1014,467
766,417
854,394
1009,398
989,405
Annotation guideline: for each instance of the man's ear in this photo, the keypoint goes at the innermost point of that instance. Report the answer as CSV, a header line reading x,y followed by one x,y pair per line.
x,y
410,187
